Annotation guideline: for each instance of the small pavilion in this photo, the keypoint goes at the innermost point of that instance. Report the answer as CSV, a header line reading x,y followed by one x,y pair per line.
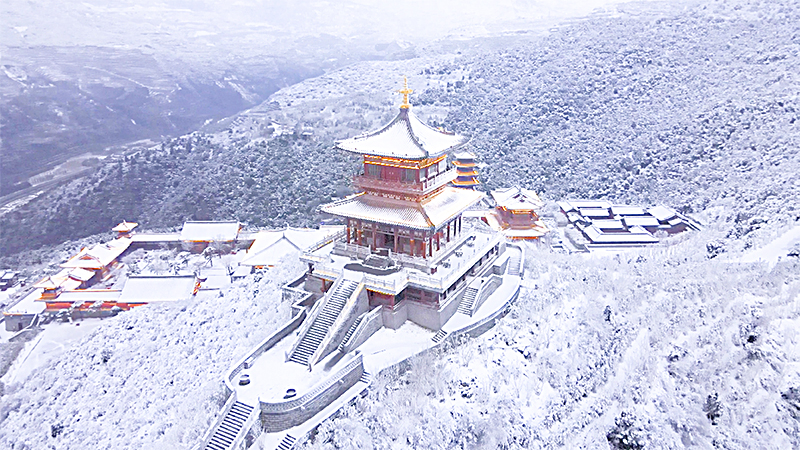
x,y
516,213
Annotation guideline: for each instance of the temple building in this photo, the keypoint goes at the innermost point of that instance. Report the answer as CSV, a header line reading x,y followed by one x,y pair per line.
x,y
516,213
406,253
406,204
124,229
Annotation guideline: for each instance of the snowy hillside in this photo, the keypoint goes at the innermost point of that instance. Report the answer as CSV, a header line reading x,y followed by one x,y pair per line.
x,y
662,347
693,343
149,378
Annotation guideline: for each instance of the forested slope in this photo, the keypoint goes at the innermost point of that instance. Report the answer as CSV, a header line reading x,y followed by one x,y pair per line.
x,y
694,108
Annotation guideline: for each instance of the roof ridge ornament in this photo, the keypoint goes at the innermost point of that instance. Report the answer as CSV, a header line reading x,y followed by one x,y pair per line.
x,y
405,91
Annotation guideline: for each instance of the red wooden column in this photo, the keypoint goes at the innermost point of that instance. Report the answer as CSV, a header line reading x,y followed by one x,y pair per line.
x,y
424,253
396,238
412,246
374,235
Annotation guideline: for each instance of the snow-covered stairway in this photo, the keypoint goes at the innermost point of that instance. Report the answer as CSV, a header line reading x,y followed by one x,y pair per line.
x,y
350,333
232,426
513,263
439,336
465,307
334,303
287,443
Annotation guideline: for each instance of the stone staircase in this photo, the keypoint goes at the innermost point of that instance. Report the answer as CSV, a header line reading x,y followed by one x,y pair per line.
x,y
350,333
439,336
287,442
513,264
365,377
465,307
310,341
230,427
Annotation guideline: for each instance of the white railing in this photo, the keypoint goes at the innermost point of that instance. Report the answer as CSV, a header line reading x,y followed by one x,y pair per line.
x,y
347,309
410,187
486,289
345,249
326,240
368,322
327,271
381,283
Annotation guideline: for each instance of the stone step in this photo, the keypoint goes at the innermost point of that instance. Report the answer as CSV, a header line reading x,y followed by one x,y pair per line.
x,y
439,336
365,377
287,442
313,337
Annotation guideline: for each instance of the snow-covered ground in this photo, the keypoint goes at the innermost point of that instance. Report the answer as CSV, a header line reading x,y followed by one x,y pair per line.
x,y
50,343
775,250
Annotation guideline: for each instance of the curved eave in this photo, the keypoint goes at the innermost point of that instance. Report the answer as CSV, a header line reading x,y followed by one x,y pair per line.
x,y
404,137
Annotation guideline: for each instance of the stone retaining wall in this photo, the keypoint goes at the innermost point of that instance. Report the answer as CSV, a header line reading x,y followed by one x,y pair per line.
x,y
280,416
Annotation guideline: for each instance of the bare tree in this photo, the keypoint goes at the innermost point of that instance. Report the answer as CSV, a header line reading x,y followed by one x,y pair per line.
x,y
230,265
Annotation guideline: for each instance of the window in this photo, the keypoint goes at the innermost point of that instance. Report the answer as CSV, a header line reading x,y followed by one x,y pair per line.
x,y
373,171
409,175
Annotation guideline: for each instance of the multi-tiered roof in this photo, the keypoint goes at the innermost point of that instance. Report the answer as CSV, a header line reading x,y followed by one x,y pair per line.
x,y
406,176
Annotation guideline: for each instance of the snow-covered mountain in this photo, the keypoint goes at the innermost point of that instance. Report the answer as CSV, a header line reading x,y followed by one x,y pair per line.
x,y
691,343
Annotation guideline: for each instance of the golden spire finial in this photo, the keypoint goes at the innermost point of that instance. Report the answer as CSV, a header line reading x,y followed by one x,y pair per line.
x,y
405,91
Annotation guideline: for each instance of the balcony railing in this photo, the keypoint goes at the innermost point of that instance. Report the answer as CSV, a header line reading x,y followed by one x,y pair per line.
x,y
407,187
470,256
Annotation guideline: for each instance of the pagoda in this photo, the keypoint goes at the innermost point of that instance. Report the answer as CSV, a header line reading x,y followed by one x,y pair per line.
x,y
466,169
406,203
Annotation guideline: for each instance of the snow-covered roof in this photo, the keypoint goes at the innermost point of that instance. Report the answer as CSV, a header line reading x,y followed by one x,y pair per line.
x,y
28,305
153,288
635,235
642,221
404,137
662,213
574,205
625,210
62,280
89,296
46,283
609,225
99,256
81,274
427,215
463,154
591,212
125,227
273,254
210,231
515,198
270,246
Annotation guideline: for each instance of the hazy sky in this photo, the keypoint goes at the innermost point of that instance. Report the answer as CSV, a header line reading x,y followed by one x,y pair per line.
x,y
137,23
